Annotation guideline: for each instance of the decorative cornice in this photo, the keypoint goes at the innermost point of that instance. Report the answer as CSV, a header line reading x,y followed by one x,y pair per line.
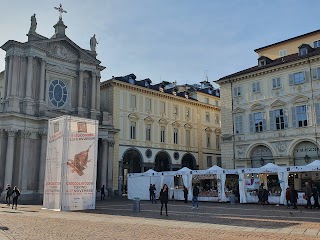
x,y
239,110
256,107
11,132
278,103
61,69
300,99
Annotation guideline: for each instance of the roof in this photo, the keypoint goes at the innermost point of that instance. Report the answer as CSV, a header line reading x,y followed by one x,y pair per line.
x,y
288,40
276,62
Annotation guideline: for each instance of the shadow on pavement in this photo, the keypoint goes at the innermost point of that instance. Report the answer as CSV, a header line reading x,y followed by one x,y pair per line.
x,y
4,228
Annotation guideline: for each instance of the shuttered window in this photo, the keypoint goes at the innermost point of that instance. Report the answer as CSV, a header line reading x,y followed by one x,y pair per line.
x,y
278,119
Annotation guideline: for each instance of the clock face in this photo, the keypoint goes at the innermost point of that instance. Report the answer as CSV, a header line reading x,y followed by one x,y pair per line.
x,y
58,93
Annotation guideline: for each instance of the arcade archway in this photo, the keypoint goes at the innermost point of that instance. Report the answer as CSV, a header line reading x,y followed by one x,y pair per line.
x,y
261,155
188,161
162,162
305,152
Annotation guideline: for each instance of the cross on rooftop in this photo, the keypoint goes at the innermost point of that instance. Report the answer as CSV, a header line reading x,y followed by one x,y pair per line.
x,y
61,10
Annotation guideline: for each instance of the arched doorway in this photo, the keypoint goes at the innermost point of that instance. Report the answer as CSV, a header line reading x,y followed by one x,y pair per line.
x,y
132,160
305,152
162,162
261,155
188,161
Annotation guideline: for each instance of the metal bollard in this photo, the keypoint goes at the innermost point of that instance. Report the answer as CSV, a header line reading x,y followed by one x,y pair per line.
x,y
136,204
232,199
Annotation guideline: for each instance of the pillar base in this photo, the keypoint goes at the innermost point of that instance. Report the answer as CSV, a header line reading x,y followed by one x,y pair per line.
x,y
28,104
81,111
12,104
93,114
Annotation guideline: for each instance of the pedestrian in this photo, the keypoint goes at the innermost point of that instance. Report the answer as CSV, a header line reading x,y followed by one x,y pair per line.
x,y
265,196
308,195
195,194
8,195
315,195
294,197
260,193
288,196
15,195
150,192
185,193
164,197
154,193
103,195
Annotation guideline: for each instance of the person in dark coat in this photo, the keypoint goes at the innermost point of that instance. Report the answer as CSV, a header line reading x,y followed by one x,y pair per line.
x,y
8,195
288,197
164,197
265,196
294,197
103,195
315,195
154,199
15,196
308,195
195,194
185,193
150,192
260,193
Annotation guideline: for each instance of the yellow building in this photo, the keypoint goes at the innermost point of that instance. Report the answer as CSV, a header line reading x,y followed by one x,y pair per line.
x,y
163,126
271,112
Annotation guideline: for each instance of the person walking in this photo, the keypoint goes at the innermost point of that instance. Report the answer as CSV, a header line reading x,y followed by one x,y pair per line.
x,y
308,195
150,192
8,195
185,194
315,195
103,195
154,193
195,194
260,193
15,196
164,197
288,197
294,197
265,196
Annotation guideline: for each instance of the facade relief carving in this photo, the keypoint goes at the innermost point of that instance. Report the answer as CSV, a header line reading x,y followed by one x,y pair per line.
x,y
61,69
226,137
176,124
256,107
281,147
300,99
163,121
241,151
61,51
188,126
239,110
278,103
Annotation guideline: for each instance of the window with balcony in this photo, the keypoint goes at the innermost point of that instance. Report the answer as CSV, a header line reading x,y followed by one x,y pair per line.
x,y
278,119
133,130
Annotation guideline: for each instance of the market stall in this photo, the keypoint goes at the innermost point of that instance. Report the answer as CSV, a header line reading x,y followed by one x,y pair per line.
x,y
299,175
182,178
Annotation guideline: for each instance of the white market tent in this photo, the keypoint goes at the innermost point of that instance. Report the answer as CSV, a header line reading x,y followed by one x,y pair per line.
x,y
311,167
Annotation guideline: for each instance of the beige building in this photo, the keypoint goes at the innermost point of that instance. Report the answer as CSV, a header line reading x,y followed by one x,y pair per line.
x,y
271,112
162,127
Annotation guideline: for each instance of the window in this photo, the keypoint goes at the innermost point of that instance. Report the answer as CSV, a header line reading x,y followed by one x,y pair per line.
x,y
219,161
303,51
162,107
237,91
209,161
58,93
216,119
317,107
302,116
217,141
256,87
208,140
238,125
133,102
207,117
262,62
133,130
276,82
175,110
148,132
283,53
162,134
188,140
131,80
148,104
217,103
175,135
298,77
206,100
316,44
278,119
258,122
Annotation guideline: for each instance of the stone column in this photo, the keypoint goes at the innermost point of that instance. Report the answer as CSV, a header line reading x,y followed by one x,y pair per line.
x,y
10,156
25,168
104,163
110,164
42,167
80,92
5,87
98,94
29,77
93,92
42,80
10,75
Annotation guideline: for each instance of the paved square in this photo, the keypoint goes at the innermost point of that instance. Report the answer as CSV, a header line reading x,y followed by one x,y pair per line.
x,y
114,219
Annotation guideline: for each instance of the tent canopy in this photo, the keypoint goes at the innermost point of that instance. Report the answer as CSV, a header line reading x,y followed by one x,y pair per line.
x,y
184,170
216,170
315,163
150,172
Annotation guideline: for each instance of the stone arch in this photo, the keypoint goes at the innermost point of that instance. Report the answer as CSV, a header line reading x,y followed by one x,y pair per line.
x,y
260,154
304,151
162,161
132,160
189,161
252,146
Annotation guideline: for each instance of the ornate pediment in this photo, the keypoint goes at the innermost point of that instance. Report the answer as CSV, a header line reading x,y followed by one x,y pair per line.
x,y
300,99
148,120
208,130
163,121
278,103
239,110
176,124
61,70
187,126
133,116
217,131
256,107
62,51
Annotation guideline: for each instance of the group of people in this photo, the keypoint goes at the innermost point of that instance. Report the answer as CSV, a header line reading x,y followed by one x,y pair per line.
x,y
152,193
263,195
14,194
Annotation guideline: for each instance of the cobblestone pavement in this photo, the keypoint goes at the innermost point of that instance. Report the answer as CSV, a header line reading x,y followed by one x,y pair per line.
x,y
114,219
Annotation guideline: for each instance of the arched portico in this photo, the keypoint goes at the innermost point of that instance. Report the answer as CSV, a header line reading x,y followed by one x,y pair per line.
x,y
162,162
304,151
260,155
189,161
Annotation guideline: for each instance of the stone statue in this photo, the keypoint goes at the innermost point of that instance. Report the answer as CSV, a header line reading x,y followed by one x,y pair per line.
x,y
33,25
93,43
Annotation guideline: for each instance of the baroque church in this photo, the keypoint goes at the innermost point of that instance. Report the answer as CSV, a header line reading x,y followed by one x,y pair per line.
x,y
47,77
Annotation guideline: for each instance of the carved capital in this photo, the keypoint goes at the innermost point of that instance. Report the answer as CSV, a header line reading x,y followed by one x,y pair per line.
x,y
111,143
11,132
43,134
25,134
93,74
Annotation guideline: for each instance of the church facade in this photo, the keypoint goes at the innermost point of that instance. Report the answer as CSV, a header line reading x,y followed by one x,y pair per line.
x,y
46,78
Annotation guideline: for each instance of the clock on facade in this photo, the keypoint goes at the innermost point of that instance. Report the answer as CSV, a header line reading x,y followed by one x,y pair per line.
x,y
58,93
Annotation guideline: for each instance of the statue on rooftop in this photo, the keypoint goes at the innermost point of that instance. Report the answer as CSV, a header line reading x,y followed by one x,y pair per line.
x,y
33,25
93,43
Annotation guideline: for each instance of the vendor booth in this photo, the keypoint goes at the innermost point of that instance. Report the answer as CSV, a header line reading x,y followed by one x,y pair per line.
x,y
270,176
299,175
181,178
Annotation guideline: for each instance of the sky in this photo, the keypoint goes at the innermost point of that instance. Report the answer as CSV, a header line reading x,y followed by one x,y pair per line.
x,y
166,40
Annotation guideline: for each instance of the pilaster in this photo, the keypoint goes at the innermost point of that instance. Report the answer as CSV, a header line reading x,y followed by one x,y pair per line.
x,y
110,163
93,95
10,156
42,167
80,94
104,163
